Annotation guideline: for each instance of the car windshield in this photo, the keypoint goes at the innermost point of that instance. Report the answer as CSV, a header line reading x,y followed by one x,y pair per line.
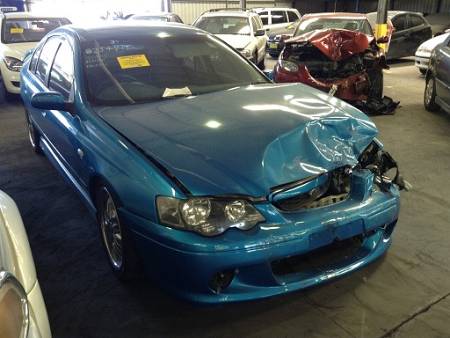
x,y
151,68
158,18
29,30
224,25
312,24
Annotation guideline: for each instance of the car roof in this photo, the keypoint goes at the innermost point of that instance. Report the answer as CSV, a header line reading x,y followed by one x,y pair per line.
x,y
28,15
156,14
273,9
340,15
391,14
237,13
126,28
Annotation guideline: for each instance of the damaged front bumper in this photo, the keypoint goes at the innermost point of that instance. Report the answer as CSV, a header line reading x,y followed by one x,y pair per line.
x,y
283,254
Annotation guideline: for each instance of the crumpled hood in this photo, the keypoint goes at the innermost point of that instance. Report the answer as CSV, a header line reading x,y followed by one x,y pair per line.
x,y
246,140
235,40
17,50
336,44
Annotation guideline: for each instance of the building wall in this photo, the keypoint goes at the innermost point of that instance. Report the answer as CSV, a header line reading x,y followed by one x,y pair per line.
x,y
189,10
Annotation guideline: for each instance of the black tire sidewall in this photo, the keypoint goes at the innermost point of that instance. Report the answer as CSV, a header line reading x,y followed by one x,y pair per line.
x,y
430,106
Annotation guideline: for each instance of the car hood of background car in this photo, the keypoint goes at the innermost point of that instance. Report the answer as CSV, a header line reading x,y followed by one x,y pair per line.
x,y
18,50
237,41
336,44
246,140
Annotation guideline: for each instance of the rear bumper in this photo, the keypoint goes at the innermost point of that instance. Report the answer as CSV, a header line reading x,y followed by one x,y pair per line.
x,y
188,271
273,47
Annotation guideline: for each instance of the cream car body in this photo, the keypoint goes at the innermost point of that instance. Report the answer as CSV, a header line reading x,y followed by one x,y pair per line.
x,y
17,50
16,259
423,53
278,20
249,45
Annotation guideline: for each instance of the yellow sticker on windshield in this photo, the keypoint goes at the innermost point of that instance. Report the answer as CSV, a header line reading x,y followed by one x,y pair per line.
x,y
16,30
133,61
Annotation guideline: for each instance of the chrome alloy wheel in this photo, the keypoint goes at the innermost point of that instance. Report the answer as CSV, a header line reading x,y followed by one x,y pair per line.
x,y
31,134
111,231
429,90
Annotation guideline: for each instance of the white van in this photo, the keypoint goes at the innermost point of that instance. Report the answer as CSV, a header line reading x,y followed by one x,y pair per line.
x,y
277,19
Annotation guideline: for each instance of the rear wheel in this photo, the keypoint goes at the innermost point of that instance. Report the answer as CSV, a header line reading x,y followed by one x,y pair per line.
x,y
429,98
116,238
261,64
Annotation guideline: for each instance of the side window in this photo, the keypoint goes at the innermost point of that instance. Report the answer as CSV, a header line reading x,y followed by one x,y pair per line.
x,y
35,58
399,22
46,57
367,29
278,17
176,18
61,74
292,16
264,17
415,20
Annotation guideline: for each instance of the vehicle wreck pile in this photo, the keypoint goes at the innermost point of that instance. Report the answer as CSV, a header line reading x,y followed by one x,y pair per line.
x,y
346,64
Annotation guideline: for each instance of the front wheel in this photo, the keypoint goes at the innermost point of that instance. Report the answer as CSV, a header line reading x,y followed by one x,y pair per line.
x,y
116,238
429,97
33,135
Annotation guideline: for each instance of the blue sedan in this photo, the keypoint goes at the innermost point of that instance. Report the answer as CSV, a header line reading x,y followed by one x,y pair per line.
x,y
223,185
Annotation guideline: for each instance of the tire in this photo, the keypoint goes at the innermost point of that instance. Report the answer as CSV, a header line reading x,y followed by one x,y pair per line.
x,y
33,135
422,71
116,238
429,96
3,93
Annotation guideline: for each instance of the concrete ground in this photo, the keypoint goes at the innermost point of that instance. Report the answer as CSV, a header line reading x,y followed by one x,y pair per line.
x,y
405,294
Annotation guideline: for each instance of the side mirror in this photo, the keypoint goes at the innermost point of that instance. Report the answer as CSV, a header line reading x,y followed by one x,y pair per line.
x,y
50,101
383,39
28,53
260,32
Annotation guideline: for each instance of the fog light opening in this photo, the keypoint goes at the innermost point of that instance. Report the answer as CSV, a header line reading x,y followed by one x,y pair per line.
x,y
388,229
221,280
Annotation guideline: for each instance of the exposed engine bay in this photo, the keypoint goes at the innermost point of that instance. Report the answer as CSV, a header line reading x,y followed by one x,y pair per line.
x,y
346,64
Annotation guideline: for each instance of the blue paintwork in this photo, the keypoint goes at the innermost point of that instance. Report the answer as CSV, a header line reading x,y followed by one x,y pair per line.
x,y
268,135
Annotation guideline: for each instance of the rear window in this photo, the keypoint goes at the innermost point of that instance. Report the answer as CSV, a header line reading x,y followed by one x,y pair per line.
x,y
264,17
224,25
292,16
29,30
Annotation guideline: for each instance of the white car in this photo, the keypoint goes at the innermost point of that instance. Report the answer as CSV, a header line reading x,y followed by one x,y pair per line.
x,y
22,308
20,32
423,53
243,30
277,20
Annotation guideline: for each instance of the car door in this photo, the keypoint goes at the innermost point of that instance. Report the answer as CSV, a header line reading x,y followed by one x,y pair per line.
x,y
398,40
39,70
419,32
279,22
67,128
442,66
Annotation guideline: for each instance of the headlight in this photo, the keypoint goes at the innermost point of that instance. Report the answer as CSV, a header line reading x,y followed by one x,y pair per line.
x,y
207,216
246,52
13,64
289,66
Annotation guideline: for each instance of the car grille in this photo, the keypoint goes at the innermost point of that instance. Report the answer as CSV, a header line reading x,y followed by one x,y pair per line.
x,y
335,189
319,260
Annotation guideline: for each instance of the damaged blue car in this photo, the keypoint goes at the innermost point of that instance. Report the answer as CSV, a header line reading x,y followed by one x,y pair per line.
x,y
223,185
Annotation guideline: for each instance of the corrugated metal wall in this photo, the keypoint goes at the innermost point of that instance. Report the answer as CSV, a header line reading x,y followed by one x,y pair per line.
x,y
189,10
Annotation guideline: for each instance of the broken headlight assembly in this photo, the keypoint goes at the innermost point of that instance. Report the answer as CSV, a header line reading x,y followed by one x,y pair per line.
x,y
207,216
383,165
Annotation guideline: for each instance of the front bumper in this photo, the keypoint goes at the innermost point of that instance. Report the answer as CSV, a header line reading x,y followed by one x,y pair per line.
x,y
422,62
10,79
186,263
273,47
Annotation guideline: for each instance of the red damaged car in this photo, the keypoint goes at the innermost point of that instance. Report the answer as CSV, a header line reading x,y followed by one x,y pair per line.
x,y
337,53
